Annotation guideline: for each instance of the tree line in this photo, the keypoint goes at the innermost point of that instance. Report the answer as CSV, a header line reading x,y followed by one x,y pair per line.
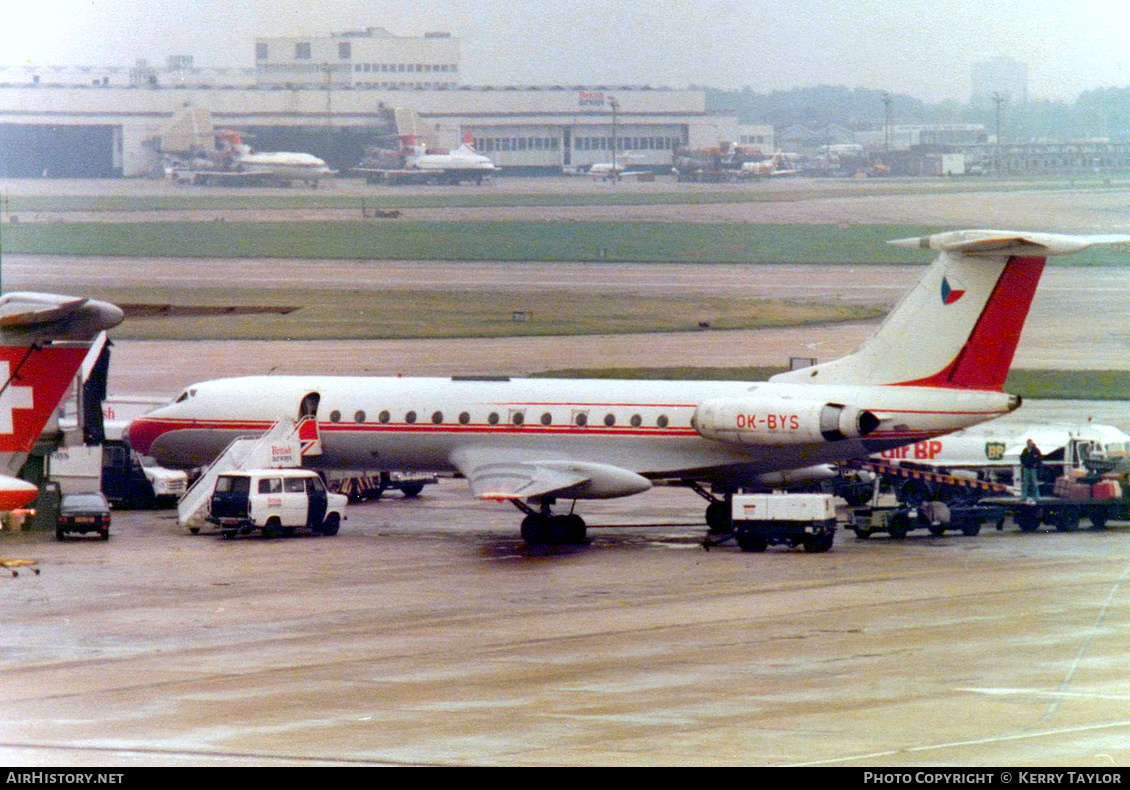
x,y
1097,113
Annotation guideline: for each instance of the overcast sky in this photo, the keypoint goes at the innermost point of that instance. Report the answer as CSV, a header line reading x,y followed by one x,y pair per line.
x,y
921,47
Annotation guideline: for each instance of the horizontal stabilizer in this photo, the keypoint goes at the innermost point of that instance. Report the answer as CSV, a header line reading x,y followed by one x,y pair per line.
x,y
1004,242
68,317
29,309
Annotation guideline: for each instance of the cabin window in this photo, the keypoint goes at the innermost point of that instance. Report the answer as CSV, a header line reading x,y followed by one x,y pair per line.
x,y
609,420
464,418
493,418
384,416
581,419
518,417
335,416
662,421
437,417
546,419
410,417
636,421
359,417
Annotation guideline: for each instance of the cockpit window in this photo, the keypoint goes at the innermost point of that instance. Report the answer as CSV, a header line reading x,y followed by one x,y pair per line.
x,y
188,393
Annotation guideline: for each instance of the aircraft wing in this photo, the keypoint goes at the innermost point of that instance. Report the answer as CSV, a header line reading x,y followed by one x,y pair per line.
x,y
503,475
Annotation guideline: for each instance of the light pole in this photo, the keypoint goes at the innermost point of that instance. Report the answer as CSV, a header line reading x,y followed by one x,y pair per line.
x,y
887,122
998,100
615,110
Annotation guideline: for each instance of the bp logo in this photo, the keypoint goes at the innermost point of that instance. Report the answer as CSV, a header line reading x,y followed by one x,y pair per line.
x,y
994,451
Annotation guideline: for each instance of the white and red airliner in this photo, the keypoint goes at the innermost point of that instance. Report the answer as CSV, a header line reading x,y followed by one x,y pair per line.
x,y
44,339
937,363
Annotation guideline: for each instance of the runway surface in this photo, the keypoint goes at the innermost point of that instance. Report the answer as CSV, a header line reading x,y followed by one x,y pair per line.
x,y
1077,319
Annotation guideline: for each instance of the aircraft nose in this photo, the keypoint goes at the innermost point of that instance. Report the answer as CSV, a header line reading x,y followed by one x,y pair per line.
x,y
143,432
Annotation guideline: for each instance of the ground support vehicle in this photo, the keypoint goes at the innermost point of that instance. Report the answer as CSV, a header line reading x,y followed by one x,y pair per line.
x,y
761,520
274,501
912,486
1063,514
936,517
126,479
1081,494
928,500
371,487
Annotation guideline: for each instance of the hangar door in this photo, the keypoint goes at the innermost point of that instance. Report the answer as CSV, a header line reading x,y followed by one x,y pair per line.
x,y
42,150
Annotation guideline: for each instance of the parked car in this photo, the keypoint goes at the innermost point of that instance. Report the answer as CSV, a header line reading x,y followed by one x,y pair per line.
x,y
83,513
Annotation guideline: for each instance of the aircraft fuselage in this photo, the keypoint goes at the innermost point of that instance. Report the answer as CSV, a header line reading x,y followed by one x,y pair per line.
x,y
652,428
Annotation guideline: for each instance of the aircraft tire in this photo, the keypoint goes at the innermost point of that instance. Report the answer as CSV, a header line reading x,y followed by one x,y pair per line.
x,y
566,530
411,490
719,519
535,530
575,530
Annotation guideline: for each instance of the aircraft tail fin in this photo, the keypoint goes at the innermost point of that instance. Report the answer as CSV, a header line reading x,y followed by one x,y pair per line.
x,y
958,328
43,340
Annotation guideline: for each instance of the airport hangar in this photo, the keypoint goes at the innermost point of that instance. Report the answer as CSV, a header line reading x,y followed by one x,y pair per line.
x,y
70,128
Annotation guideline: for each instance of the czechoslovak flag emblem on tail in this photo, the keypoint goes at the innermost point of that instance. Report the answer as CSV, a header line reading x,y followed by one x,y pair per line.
x,y
952,289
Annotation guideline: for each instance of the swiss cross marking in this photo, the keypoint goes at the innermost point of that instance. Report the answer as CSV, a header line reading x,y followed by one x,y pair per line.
x,y
14,397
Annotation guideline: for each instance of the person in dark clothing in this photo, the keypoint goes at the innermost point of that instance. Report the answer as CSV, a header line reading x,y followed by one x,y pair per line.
x,y
1031,459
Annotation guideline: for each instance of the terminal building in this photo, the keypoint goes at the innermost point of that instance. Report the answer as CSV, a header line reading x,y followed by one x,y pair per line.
x,y
330,96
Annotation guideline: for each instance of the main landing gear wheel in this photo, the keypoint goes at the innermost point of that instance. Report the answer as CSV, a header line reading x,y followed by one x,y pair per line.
x,y
540,529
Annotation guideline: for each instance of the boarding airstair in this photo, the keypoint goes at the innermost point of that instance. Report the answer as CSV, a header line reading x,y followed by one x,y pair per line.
x,y
278,447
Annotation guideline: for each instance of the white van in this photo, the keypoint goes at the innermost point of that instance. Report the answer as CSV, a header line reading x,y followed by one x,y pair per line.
x,y
273,501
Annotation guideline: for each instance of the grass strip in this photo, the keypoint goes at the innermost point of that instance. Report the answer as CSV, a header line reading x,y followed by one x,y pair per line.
x,y
638,242
479,241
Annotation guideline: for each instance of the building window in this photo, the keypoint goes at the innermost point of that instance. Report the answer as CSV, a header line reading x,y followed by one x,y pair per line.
x,y
261,51
344,50
302,51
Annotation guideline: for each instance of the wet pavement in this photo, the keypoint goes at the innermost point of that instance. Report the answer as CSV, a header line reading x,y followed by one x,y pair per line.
x,y
427,632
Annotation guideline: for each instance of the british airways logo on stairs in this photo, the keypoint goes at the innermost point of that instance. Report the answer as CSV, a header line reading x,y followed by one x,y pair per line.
x,y
952,290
